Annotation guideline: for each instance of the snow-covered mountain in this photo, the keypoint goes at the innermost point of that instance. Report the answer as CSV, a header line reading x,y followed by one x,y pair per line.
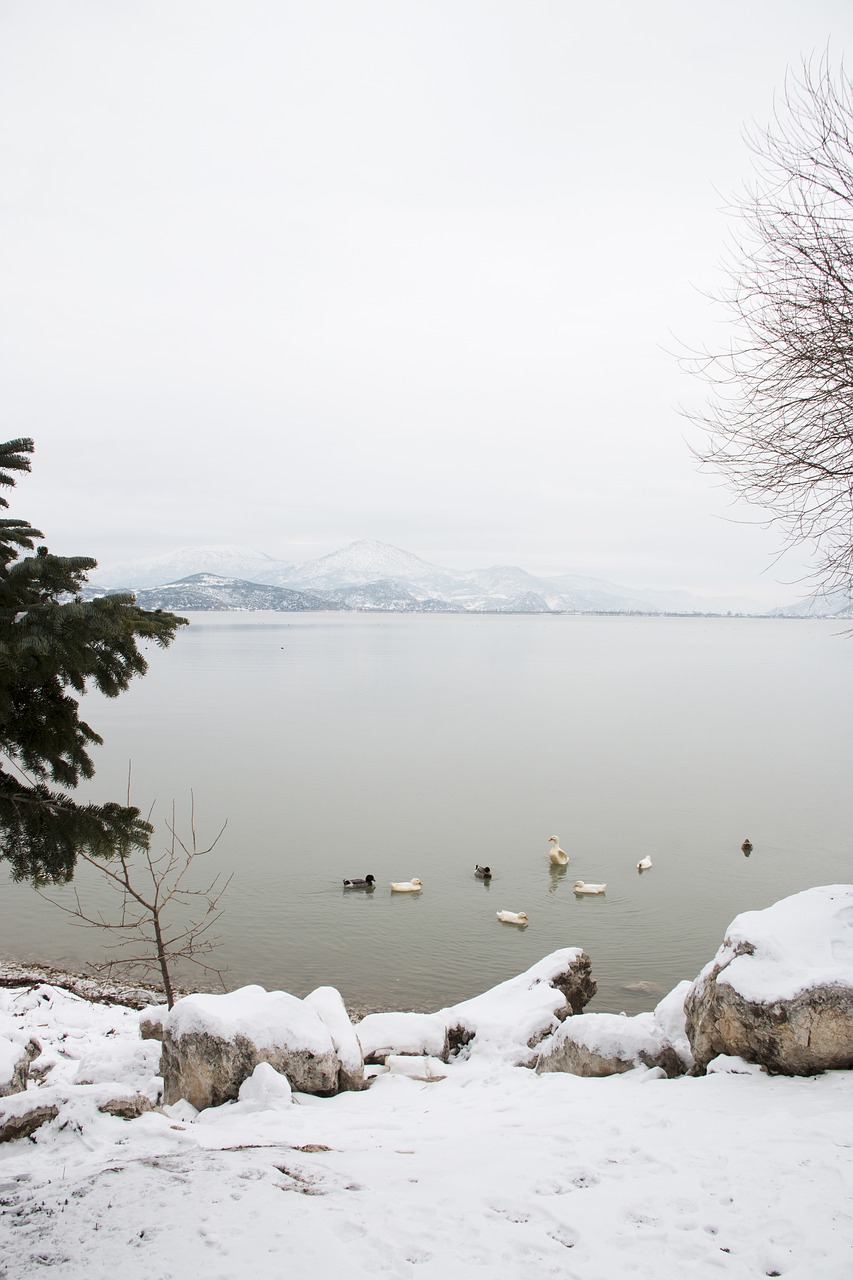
x,y
227,561
208,591
821,604
376,575
363,562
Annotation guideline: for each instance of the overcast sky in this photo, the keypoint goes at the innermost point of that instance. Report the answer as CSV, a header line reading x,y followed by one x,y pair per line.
x,y
290,274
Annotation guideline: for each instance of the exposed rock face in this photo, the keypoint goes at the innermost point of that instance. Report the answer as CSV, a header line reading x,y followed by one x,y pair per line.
x,y
812,1032
151,1021
24,1121
211,1044
779,992
576,982
127,1108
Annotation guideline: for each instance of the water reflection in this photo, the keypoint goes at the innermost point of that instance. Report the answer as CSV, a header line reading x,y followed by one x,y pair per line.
x,y
556,874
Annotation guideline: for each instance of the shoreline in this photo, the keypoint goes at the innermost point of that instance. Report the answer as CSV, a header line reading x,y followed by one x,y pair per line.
x,y
98,990
133,995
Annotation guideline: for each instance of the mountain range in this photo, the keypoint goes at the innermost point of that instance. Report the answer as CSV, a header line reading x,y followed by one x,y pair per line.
x,y
370,575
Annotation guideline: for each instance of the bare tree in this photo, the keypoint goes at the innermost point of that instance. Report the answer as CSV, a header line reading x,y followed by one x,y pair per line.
x,y
160,922
780,424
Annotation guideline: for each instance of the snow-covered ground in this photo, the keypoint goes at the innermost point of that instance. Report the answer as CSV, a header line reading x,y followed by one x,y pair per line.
x,y
492,1171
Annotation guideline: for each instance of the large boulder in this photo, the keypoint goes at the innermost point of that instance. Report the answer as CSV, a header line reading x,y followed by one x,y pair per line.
x,y
212,1043
779,992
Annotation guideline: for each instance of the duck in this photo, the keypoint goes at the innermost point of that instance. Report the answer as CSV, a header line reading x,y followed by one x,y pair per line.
x,y
406,886
366,882
644,864
512,917
746,847
581,887
557,855
483,873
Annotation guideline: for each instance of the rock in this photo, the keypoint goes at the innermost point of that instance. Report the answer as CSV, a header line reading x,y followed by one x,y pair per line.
x,y
328,1004
779,992
127,1108
23,1120
511,1019
151,1021
574,979
671,1017
413,1034
212,1043
606,1044
15,1058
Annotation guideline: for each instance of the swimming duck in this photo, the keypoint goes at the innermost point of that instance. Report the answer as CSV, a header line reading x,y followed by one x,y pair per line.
x,y
483,873
406,886
367,882
746,847
557,855
512,917
644,864
581,887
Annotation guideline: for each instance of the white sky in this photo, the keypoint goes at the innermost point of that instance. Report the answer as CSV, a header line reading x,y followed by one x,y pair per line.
x,y
293,274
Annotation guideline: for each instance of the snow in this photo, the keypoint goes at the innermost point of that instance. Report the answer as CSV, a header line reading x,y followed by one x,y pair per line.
x,y
669,1017
329,1006
442,1171
612,1036
506,1019
10,1056
269,1019
381,1033
800,942
266,1089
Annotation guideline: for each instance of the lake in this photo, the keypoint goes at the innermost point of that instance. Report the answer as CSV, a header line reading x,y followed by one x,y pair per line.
x,y
414,745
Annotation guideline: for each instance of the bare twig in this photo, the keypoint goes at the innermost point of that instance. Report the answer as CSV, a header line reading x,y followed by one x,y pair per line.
x,y
780,422
149,888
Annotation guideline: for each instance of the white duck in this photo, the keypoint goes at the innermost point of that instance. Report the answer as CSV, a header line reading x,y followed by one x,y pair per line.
x,y
558,856
512,917
406,886
581,887
644,864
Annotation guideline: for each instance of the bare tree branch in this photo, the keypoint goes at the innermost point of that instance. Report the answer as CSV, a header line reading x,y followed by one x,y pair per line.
x,y
780,421
144,937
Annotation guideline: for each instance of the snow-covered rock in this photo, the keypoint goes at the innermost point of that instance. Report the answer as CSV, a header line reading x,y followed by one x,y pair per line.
x,y
671,1016
14,1066
509,1020
212,1043
605,1044
416,1034
329,1006
779,992
77,1105
151,1021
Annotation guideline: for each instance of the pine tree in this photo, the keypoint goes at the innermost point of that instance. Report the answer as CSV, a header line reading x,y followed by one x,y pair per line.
x,y
52,645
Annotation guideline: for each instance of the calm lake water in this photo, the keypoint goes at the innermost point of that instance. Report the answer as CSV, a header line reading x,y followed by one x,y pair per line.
x,y
401,745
